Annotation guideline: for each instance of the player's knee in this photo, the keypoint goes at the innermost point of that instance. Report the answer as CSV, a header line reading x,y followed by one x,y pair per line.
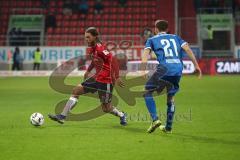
x,y
106,108
147,94
77,91
170,99
148,87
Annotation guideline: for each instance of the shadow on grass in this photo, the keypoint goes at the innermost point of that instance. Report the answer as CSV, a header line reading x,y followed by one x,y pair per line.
x,y
130,128
205,139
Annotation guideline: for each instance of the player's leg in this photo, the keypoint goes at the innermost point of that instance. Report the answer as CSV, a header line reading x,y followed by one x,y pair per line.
x,y
170,114
87,86
150,87
38,66
18,66
170,102
105,96
34,66
72,101
116,112
108,108
14,66
151,106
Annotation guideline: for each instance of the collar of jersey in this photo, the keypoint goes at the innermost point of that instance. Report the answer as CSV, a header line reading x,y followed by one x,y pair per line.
x,y
162,33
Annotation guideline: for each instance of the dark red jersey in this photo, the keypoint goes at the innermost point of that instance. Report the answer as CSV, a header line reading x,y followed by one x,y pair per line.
x,y
107,70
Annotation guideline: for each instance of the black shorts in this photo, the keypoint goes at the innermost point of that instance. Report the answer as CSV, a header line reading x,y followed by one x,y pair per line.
x,y
104,89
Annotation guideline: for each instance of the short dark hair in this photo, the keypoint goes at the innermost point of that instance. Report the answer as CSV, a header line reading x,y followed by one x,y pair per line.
x,y
161,25
93,31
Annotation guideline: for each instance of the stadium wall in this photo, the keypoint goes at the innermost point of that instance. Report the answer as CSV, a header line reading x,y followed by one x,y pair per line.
x,y
55,56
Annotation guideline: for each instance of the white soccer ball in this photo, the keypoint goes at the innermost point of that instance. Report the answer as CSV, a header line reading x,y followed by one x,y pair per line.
x,y
37,119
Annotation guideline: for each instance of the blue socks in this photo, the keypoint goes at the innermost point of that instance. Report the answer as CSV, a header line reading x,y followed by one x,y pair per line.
x,y
151,106
170,115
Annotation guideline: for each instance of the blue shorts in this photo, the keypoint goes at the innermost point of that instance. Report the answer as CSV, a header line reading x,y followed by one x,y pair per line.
x,y
159,83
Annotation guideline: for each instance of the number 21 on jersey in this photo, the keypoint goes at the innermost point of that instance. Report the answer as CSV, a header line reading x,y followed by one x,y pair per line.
x,y
168,51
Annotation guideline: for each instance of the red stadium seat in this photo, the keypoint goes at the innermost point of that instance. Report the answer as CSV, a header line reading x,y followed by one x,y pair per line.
x,y
74,17
65,30
52,10
50,30
121,23
105,23
21,4
73,31
113,10
114,24
137,10
115,20
137,3
122,17
35,4
73,43
52,4
121,30
107,3
114,17
90,23
66,18
98,17
80,24
59,17
5,10
5,4
90,17
59,10
60,4
96,24
73,24
5,17
129,17
49,37
105,16
57,37
130,3
66,23
13,4
121,10
57,31
59,24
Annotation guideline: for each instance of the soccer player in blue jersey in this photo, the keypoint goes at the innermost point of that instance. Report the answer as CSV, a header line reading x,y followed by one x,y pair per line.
x,y
168,49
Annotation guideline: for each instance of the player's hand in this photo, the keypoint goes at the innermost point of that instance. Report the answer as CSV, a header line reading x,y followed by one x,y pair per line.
x,y
86,74
119,82
199,72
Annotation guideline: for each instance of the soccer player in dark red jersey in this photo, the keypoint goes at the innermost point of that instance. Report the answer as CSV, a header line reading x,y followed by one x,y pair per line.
x,y
107,74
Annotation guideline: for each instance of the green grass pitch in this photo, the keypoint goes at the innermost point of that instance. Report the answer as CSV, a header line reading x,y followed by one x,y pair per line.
x,y
207,125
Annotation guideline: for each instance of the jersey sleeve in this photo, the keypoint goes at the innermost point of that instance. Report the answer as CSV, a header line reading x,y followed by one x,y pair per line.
x,y
181,41
103,52
115,68
90,67
148,44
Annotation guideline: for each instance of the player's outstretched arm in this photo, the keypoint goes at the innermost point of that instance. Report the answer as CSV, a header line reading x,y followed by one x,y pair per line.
x,y
115,70
190,54
146,52
90,67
